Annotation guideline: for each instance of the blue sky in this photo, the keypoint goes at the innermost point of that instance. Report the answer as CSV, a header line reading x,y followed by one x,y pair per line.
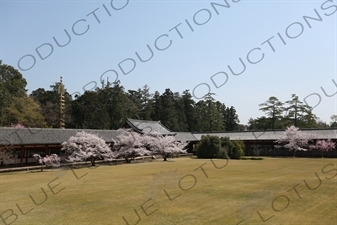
x,y
194,45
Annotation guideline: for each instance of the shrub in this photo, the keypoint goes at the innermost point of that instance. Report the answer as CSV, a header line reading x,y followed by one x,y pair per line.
x,y
222,154
251,158
223,148
227,145
256,158
208,147
245,158
237,150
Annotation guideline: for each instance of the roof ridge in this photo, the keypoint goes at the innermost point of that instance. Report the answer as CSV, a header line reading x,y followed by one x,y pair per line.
x,y
165,127
154,126
151,121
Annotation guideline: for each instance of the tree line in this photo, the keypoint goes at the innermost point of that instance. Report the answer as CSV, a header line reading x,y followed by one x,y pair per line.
x,y
108,106
16,107
280,115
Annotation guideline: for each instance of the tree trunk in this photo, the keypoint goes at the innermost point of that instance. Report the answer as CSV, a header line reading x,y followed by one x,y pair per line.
x,y
127,160
92,160
165,157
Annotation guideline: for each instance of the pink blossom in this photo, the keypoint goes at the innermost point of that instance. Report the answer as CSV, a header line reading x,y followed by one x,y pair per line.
x,y
85,146
18,125
294,140
165,146
129,145
324,145
50,161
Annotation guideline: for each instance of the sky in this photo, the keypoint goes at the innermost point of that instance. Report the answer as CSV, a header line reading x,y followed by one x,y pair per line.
x,y
242,51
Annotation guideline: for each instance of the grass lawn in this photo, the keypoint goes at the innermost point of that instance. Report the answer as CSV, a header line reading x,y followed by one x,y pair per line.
x,y
181,191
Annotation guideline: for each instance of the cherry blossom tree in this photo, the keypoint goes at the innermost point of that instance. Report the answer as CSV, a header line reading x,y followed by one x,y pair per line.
x,y
18,125
7,153
7,156
129,145
166,146
85,146
50,161
294,140
325,146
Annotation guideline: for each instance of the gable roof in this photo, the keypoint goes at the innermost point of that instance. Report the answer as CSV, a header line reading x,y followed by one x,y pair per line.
x,y
31,136
148,127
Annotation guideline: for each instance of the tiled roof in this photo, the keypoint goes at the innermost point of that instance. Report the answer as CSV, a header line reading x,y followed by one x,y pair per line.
x,y
185,136
147,126
30,136
271,135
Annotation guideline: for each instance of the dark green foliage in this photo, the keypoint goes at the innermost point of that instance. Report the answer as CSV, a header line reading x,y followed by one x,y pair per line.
x,y
237,150
89,112
299,114
251,158
260,123
280,115
105,108
227,145
172,115
190,111
245,158
12,81
256,158
109,106
208,147
117,104
222,154
231,119
142,103
224,148
15,106
274,109
209,116
50,104
12,84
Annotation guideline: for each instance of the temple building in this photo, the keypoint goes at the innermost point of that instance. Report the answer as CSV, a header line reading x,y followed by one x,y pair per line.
x,y
46,141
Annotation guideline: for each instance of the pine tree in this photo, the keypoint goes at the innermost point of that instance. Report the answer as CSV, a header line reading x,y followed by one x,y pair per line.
x,y
274,109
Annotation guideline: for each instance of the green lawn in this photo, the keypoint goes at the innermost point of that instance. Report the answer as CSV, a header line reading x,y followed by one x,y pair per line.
x,y
181,191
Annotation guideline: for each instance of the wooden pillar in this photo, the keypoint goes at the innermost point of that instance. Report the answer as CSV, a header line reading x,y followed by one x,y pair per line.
x,y
26,153
264,149
21,158
247,146
46,150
